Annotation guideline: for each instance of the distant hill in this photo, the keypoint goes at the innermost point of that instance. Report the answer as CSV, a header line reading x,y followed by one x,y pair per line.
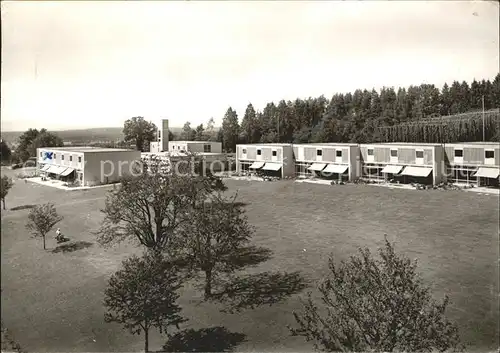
x,y
81,135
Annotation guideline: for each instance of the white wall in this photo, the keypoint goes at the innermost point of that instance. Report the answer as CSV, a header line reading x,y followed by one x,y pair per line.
x,y
64,158
194,146
108,166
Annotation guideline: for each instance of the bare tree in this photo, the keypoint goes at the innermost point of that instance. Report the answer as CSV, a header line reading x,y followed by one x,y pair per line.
x,y
5,186
376,305
41,219
143,295
214,237
151,206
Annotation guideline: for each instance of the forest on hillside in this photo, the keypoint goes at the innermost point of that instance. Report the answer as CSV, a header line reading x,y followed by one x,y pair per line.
x,y
422,113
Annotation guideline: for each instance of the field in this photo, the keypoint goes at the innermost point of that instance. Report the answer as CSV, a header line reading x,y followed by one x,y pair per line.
x,y
52,301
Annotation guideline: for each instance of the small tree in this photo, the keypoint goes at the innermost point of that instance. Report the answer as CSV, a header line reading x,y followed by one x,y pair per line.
x,y
142,295
376,305
218,229
41,219
5,186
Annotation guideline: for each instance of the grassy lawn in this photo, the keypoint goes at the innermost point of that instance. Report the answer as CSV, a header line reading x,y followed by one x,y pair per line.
x,y
53,301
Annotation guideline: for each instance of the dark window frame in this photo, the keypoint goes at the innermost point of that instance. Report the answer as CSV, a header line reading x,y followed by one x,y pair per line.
x,y
259,152
275,153
419,152
372,151
392,155
337,153
319,152
486,152
458,150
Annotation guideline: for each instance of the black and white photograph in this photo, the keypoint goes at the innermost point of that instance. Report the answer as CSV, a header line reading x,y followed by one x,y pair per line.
x,y
250,176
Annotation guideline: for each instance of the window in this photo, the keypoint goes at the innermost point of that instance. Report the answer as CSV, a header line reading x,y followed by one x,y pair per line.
x,y
419,154
54,156
259,152
79,159
370,151
41,154
338,153
207,148
159,134
62,157
459,153
394,153
244,151
489,154
275,153
319,152
71,158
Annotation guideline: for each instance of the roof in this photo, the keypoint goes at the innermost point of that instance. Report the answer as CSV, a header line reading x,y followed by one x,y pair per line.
x,y
194,142
327,144
87,149
178,154
267,144
485,144
417,144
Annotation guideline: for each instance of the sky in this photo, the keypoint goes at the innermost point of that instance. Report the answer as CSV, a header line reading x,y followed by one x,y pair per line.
x,y
81,64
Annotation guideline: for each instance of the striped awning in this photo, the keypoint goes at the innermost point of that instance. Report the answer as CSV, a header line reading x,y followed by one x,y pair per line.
x,y
317,167
485,172
256,165
392,169
272,166
52,169
417,171
67,172
336,168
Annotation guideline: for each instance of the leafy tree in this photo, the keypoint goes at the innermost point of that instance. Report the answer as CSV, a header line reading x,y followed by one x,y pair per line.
x,y
5,152
171,136
150,206
376,305
41,220
32,139
210,131
6,185
250,131
217,230
143,295
200,133
187,134
139,131
219,137
230,130
44,139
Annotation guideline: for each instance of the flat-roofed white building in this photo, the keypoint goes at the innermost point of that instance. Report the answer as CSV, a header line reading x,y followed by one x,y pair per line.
x,y
473,163
275,159
195,146
422,162
87,166
338,161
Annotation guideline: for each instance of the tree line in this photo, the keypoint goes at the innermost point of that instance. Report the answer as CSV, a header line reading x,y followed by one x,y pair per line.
x,y
366,116
363,116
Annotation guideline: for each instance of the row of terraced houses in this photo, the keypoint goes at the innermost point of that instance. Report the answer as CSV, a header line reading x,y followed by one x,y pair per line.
x,y
471,163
